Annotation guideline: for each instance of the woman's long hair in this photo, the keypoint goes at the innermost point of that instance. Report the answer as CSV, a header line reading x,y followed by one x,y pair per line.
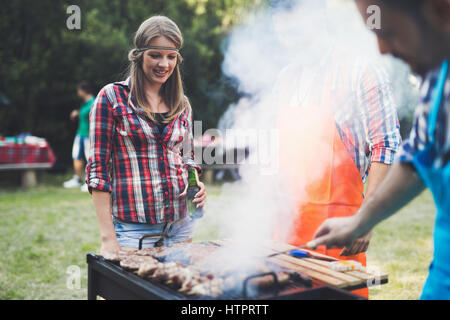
x,y
172,90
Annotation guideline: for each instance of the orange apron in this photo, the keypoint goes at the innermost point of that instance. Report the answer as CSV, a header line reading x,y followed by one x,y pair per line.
x,y
321,177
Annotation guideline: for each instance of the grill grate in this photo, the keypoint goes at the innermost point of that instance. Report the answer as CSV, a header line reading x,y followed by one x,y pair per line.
x,y
110,281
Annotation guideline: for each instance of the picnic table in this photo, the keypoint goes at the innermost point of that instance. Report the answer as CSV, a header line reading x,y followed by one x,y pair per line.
x,y
26,157
207,146
238,155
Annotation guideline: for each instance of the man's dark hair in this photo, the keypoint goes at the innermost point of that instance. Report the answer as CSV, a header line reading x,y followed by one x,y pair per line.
x,y
86,86
411,7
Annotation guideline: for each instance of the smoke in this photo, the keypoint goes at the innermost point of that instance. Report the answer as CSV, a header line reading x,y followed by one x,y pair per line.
x,y
279,58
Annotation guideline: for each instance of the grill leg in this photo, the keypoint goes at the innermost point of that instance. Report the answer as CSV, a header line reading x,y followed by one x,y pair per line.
x,y
92,286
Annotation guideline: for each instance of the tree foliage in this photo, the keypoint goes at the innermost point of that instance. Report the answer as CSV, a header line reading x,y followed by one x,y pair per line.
x,y
42,60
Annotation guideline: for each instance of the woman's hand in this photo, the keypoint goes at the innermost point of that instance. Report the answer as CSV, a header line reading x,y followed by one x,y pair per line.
x,y
200,196
102,205
109,245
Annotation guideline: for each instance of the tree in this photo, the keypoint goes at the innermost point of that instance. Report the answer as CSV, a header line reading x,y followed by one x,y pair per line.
x,y
42,60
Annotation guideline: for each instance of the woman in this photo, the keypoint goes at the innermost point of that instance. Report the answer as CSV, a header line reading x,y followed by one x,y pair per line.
x,y
80,147
140,133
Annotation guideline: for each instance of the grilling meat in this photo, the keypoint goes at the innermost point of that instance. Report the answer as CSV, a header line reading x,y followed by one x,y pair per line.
x,y
201,253
133,262
147,269
147,251
185,279
209,287
182,277
190,279
165,270
192,282
119,255
176,275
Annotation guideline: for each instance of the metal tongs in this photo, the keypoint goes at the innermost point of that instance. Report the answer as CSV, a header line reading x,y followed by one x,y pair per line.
x,y
164,235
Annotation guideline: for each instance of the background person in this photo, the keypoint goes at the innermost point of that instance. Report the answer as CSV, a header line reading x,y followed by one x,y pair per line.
x,y
86,92
417,31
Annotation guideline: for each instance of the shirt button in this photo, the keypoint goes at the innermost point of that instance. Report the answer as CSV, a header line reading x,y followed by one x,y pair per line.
x,y
163,175
160,158
166,193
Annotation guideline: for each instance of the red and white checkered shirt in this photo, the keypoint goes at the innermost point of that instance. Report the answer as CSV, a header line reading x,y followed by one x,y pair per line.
x,y
144,169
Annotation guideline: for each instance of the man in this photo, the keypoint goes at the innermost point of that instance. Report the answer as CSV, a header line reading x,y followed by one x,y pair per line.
x,y
417,31
338,130
80,147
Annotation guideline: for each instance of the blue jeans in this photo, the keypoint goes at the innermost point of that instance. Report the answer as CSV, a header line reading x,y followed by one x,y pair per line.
x,y
128,234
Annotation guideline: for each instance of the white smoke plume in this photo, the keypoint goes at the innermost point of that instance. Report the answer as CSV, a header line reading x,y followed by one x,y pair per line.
x,y
276,58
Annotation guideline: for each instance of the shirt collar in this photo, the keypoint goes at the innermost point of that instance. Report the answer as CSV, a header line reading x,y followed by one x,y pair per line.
x,y
125,83
131,99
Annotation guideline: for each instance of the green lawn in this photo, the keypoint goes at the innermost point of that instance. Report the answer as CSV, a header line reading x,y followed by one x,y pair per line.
x,y
46,230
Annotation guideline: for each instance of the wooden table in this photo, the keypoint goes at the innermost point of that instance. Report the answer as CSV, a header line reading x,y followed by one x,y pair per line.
x,y
29,177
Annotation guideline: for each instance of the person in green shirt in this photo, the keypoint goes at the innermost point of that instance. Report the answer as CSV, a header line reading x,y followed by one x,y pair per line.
x,y
81,142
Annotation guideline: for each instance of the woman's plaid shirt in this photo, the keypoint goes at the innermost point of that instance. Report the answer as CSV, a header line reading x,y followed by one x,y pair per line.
x,y
143,169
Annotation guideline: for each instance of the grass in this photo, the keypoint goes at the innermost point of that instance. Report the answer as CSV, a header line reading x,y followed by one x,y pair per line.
x,y
46,230
402,247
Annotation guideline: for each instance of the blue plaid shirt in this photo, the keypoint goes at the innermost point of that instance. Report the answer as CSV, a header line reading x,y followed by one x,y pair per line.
x,y
418,138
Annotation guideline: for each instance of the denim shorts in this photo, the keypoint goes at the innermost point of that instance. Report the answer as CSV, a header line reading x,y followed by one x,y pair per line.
x,y
80,148
128,234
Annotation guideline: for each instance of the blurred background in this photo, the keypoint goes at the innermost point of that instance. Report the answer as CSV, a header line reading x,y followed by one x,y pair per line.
x,y
42,60
45,230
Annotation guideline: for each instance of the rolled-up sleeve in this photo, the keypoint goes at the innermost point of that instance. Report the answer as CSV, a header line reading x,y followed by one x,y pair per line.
x,y
101,124
188,153
380,116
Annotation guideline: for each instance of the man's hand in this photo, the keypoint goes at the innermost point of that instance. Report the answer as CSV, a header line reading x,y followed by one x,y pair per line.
x,y
397,189
339,232
358,246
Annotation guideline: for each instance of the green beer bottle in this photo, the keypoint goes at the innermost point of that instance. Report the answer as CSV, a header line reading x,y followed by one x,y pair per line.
x,y
192,190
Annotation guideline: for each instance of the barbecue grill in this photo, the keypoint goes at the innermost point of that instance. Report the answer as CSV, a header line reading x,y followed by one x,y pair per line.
x,y
110,281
